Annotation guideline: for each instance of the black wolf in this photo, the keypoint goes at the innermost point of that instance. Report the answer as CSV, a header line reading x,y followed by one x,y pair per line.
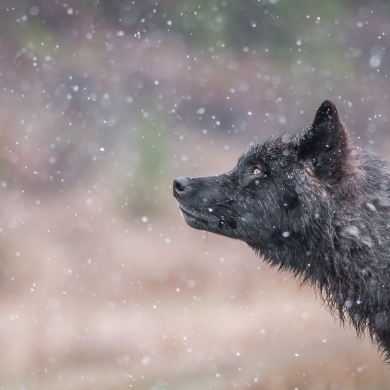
x,y
314,204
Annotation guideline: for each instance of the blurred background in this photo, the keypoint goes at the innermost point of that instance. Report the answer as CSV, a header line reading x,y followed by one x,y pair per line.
x,y
102,104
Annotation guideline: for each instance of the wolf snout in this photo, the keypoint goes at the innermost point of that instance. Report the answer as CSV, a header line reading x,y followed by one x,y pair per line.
x,y
180,186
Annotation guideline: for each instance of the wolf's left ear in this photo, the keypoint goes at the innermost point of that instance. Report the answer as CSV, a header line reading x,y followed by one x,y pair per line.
x,y
325,141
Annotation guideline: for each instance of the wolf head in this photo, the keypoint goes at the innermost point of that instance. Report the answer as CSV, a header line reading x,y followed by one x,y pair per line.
x,y
313,204
280,191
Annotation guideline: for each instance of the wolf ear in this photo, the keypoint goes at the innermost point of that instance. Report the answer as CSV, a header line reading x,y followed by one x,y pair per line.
x,y
325,141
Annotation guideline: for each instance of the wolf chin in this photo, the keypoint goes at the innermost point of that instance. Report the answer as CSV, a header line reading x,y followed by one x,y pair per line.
x,y
314,204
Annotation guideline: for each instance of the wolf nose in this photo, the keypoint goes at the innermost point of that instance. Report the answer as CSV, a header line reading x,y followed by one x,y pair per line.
x,y
180,185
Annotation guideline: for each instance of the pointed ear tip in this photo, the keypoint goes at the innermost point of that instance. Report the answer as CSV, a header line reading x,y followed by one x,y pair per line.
x,y
328,103
327,107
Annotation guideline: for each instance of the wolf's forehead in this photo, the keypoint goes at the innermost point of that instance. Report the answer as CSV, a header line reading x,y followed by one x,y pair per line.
x,y
270,149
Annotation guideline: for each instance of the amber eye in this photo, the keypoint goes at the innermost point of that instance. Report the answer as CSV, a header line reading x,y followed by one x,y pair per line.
x,y
256,171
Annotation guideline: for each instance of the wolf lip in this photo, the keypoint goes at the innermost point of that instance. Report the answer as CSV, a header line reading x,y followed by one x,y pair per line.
x,y
211,223
188,214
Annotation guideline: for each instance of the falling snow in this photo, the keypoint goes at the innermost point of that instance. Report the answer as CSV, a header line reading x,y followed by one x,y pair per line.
x,y
103,103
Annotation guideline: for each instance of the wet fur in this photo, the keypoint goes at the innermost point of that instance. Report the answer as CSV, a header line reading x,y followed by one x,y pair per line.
x,y
319,208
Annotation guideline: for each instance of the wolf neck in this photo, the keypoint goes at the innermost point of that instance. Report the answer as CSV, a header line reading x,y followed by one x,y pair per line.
x,y
331,274
346,260
308,260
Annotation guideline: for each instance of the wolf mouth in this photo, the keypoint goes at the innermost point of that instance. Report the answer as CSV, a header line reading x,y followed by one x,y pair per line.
x,y
211,223
192,218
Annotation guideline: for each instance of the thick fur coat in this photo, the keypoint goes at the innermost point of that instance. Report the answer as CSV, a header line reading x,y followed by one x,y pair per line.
x,y
313,204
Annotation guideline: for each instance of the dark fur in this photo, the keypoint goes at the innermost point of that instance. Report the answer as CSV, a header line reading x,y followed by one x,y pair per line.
x,y
318,207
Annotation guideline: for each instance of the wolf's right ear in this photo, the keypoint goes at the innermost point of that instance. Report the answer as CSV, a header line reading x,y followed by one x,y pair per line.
x,y
325,141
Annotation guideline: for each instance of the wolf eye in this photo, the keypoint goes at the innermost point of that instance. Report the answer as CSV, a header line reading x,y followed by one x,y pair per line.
x,y
257,171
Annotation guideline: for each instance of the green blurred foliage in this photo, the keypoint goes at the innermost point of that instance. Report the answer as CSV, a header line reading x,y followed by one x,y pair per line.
x,y
143,195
